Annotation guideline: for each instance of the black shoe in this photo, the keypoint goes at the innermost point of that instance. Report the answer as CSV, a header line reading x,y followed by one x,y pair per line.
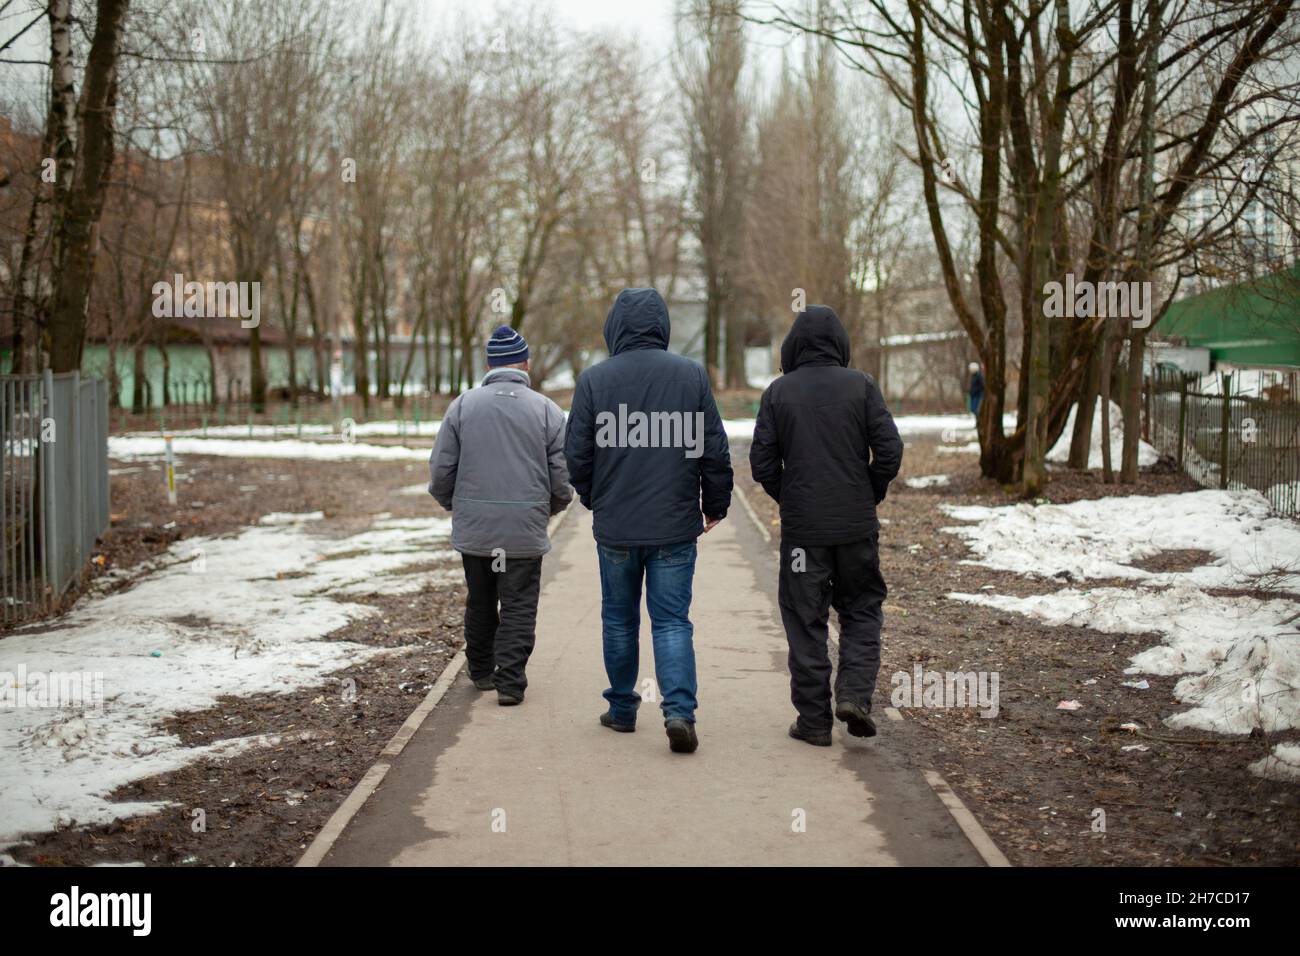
x,y
507,699
817,740
484,683
681,736
856,717
607,720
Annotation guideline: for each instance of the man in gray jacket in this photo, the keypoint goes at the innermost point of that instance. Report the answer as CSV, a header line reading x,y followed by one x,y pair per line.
x,y
498,467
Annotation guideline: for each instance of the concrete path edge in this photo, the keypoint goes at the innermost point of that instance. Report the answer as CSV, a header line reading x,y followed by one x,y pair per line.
x,y
369,783
965,820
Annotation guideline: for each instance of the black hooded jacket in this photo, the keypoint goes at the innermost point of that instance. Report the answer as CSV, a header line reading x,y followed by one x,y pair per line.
x,y
646,469
825,446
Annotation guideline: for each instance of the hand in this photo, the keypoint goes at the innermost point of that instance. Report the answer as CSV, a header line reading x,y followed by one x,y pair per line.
x,y
710,523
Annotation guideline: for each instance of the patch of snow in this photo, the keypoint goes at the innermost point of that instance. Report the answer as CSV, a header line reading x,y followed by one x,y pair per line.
x,y
1240,661
926,481
249,619
1060,453
1285,497
742,428
1100,538
390,429
132,448
1282,764
1238,656
952,427
290,517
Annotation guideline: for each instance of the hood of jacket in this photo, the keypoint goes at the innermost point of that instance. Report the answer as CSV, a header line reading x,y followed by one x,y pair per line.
x,y
637,320
816,338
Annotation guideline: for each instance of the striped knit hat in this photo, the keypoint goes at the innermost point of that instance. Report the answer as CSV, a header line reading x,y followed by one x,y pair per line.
x,y
506,347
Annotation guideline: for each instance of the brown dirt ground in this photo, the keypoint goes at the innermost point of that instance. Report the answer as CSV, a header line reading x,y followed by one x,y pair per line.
x,y
1034,775
264,806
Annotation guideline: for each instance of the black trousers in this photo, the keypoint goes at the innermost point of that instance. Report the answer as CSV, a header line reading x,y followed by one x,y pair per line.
x,y
813,579
501,618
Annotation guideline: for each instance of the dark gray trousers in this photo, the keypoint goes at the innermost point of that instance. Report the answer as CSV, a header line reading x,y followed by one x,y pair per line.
x,y
815,578
501,618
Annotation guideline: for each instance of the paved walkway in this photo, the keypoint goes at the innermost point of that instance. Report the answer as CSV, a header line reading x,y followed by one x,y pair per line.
x,y
543,783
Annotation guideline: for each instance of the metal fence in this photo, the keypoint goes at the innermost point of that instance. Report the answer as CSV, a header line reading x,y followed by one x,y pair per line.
x,y
53,486
1227,439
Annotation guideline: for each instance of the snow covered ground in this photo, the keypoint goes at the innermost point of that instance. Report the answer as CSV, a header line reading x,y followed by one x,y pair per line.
x,y
392,429
1238,654
136,447
239,615
226,440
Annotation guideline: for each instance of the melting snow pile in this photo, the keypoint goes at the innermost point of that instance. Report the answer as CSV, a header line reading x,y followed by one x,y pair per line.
x,y
240,615
1060,453
1239,655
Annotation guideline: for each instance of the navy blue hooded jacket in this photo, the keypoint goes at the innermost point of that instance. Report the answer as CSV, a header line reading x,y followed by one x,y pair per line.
x,y
645,446
825,446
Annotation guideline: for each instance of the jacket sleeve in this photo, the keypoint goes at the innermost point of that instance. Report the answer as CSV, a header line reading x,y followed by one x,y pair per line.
x,y
580,441
445,458
561,493
882,438
715,463
765,449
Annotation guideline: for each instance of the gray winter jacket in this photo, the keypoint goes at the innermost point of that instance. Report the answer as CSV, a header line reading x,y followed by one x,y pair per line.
x,y
498,467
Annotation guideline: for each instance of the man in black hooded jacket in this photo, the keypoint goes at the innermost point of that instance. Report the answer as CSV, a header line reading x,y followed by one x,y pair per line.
x,y
825,448
647,454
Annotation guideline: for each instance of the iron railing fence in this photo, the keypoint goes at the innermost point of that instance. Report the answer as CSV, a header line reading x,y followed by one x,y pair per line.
x,y
54,494
1231,439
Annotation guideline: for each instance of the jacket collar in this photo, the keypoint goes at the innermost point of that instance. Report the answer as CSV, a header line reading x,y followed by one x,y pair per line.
x,y
507,374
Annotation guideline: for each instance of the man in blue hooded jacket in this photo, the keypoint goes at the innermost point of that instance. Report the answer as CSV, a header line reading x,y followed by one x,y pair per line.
x,y
647,454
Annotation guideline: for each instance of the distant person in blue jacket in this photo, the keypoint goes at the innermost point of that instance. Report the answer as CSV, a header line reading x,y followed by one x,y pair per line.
x,y
975,390
647,453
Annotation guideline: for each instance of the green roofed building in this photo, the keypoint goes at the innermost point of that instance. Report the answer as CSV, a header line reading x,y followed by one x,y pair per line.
x,y
1253,323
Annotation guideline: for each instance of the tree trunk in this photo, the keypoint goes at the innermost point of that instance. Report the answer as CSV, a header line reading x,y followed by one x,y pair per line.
x,y
256,368
1107,365
1081,438
138,379
77,216
360,346
1146,190
735,357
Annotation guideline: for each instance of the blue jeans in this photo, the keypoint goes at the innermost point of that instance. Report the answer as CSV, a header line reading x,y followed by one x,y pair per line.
x,y
668,571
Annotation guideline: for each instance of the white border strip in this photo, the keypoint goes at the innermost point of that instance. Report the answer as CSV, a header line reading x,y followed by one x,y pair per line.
x,y
976,834
369,783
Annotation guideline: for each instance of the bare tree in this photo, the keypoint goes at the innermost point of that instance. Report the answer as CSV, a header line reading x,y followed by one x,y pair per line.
x,y
85,165
1031,81
709,74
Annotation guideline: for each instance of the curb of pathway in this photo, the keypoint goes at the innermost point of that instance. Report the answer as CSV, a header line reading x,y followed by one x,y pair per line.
x,y
338,822
965,820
